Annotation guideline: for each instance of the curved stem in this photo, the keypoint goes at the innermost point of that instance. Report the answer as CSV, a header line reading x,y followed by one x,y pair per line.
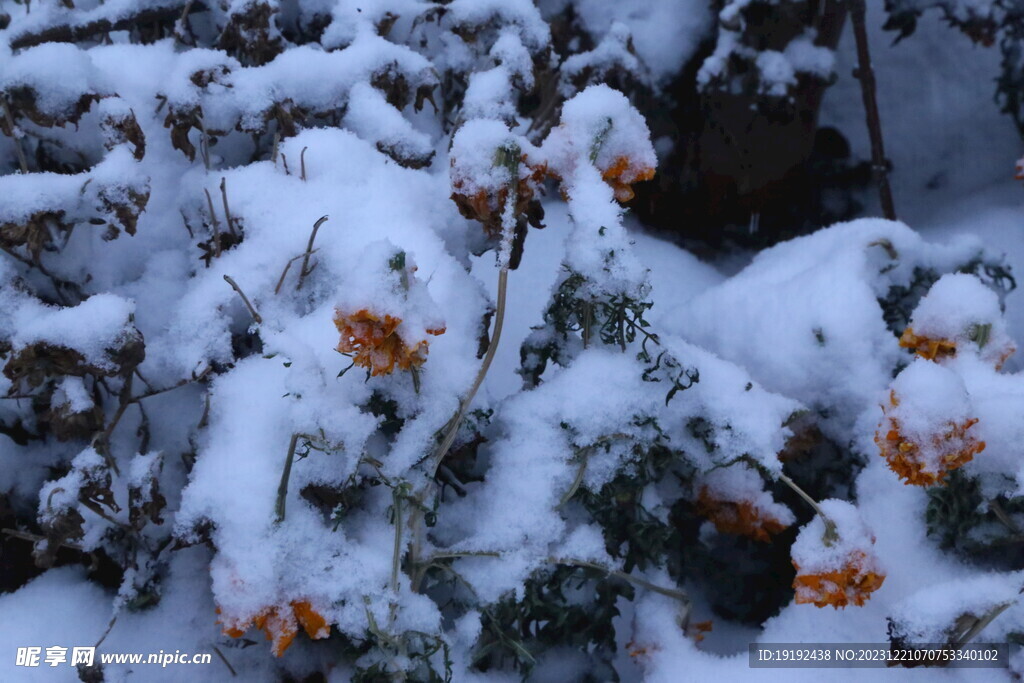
x,y
492,348
437,458
252,311
661,590
831,533
396,558
282,488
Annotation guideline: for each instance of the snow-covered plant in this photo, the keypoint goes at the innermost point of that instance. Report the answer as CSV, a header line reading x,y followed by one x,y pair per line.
x,y
753,56
833,557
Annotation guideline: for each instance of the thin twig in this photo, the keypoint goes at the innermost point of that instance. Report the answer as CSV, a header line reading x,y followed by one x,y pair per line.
x,y
227,211
102,442
216,223
234,285
309,252
831,533
110,626
978,626
286,473
204,145
35,538
302,162
669,592
184,23
456,421
581,471
866,76
93,507
287,266
396,556
456,554
492,348
225,660
1003,516
57,282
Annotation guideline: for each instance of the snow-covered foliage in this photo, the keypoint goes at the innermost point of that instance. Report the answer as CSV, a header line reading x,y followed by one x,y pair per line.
x,y
262,259
750,57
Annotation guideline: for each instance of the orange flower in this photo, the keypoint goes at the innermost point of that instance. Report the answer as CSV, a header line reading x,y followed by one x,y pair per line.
x,y
487,205
375,343
621,175
954,447
939,349
929,349
740,517
281,624
852,583
698,629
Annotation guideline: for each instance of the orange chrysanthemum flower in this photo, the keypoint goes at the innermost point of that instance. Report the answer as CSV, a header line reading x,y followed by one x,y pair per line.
x,y
621,175
281,625
938,349
488,204
375,344
740,517
953,448
927,348
852,583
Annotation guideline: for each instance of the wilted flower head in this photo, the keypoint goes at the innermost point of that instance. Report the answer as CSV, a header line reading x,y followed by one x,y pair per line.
x,y
959,314
390,329
600,127
923,434
734,500
488,162
281,624
834,560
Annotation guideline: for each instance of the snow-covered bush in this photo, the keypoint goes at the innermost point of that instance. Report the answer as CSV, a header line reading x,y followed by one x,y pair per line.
x,y
261,301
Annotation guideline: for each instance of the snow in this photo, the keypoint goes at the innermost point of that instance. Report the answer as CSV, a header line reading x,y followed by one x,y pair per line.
x,y
94,328
72,393
929,397
922,618
817,297
665,32
58,74
960,309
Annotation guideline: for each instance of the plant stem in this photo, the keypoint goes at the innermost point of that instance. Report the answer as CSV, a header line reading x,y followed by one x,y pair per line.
x,y
866,76
35,538
831,533
453,425
309,252
456,422
216,223
661,590
227,211
396,558
282,488
252,311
